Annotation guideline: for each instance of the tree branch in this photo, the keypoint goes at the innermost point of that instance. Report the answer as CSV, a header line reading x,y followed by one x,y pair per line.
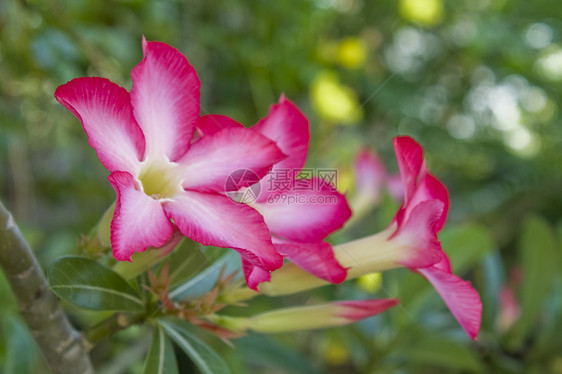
x,y
61,345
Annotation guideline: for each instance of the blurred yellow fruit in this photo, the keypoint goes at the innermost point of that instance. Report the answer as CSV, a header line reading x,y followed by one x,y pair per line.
x,y
370,282
333,101
352,53
424,12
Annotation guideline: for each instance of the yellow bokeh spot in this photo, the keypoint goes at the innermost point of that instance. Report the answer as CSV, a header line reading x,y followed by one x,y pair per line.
x,y
424,12
371,282
352,53
333,101
345,180
335,352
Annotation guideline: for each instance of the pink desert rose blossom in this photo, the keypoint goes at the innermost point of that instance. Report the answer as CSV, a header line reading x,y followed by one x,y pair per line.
x,y
145,138
409,241
427,199
307,214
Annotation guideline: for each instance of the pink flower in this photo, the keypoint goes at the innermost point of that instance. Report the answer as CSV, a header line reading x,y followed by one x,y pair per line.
x,y
159,172
300,213
371,178
410,241
419,219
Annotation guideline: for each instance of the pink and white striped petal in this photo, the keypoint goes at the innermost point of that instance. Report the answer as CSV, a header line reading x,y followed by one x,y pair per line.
x,y
213,158
165,98
428,188
288,127
138,222
418,233
213,219
212,123
459,295
254,275
307,215
316,258
106,114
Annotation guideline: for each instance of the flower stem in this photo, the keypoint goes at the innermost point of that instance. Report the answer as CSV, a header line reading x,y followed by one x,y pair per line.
x,y
61,345
109,326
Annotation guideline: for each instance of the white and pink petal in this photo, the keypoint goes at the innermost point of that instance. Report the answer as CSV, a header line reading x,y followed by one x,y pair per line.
x,y
307,213
106,114
213,158
418,234
165,98
138,222
288,127
213,219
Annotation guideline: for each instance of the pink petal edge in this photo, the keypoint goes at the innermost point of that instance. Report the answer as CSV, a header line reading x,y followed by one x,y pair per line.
x,y
288,127
308,215
213,158
459,295
106,114
316,258
254,275
213,219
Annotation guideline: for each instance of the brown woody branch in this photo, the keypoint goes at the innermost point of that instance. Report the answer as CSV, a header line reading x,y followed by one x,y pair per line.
x,y
61,345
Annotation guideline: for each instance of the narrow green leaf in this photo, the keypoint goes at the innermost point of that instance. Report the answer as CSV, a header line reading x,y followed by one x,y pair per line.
x,y
186,261
161,358
537,257
203,357
88,284
205,280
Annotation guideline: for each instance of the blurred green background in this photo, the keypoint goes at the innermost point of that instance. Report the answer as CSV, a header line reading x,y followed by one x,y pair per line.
x,y
476,82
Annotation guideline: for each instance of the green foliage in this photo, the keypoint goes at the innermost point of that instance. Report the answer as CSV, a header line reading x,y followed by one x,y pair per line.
x,y
160,358
538,256
21,352
88,284
479,86
203,357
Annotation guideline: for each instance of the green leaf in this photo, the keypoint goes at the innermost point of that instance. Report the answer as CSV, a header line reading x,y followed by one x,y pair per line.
x,y
466,245
20,347
206,279
161,358
186,260
203,357
537,257
262,350
88,284
437,351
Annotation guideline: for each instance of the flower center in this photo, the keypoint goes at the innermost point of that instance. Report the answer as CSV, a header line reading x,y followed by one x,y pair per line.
x,y
160,179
